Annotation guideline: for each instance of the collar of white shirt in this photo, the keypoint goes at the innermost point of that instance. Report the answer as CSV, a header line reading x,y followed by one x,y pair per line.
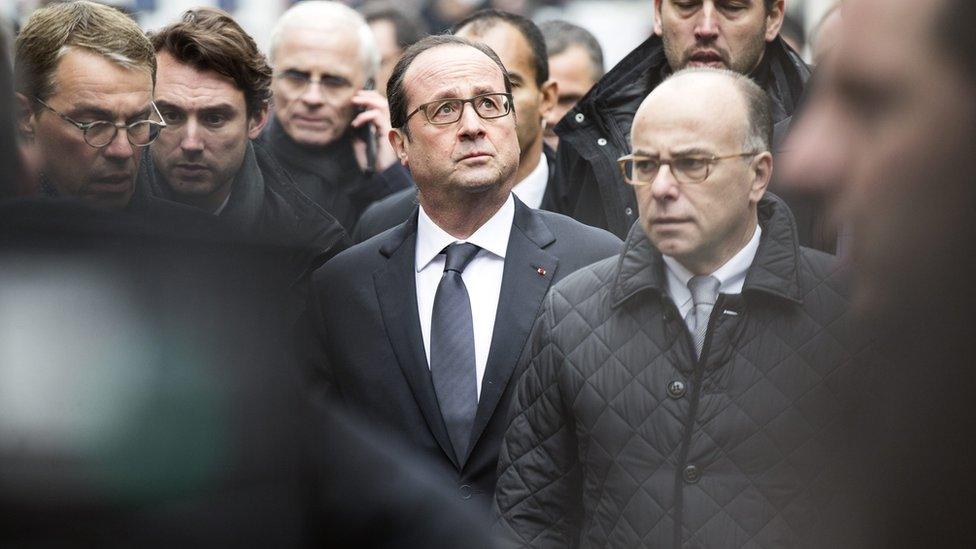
x,y
731,275
492,236
532,189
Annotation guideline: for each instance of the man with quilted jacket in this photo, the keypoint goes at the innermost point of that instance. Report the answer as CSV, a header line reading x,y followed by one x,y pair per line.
x,y
691,391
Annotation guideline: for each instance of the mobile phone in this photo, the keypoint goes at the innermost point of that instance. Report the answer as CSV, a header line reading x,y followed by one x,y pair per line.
x,y
368,134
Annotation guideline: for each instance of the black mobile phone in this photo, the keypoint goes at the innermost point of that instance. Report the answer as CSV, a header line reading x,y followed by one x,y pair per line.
x,y
368,134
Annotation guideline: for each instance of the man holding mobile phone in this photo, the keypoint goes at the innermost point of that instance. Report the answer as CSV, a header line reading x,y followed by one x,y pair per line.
x,y
324,59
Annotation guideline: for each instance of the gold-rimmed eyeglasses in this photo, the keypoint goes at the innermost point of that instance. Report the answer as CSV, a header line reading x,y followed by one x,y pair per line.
x,y
448,110
100,133
641,170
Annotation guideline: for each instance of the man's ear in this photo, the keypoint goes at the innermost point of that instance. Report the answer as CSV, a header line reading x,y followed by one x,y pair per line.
x,y
549,94
774,20
26,118
398,140
658,30
257,122
762,172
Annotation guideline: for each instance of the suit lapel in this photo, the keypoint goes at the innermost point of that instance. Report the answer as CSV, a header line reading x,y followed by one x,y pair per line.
x,y
528,273
396,290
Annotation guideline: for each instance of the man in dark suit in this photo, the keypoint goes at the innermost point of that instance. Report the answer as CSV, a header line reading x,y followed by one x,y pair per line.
x,y
522,49
422,345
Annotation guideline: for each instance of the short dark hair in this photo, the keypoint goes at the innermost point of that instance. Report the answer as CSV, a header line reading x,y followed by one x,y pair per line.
x,y
560,35
209,39
484,20
396,93
953,32
409,30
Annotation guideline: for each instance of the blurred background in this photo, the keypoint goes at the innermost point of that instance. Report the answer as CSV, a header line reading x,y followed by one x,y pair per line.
x,y
619,25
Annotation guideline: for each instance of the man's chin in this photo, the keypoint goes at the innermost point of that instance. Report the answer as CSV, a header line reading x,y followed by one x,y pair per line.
x,y
312,138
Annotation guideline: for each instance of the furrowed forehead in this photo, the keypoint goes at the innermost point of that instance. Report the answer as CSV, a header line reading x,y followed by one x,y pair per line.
x,y
440,69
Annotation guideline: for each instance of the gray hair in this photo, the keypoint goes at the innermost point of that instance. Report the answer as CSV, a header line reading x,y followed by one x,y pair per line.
x,y
328,16
759,134
560,35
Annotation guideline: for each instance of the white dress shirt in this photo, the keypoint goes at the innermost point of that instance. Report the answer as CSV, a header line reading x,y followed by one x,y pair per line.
x,y
731,275
532,189
482,277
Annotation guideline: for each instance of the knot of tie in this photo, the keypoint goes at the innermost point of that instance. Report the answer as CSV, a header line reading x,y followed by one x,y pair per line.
x,y
704,289
459,255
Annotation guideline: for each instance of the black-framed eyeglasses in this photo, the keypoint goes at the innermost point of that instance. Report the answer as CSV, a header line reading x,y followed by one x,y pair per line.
x,y
448,110
100,133
641,170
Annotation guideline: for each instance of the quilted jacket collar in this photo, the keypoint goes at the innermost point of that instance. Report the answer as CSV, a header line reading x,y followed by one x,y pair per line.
x,y
774,271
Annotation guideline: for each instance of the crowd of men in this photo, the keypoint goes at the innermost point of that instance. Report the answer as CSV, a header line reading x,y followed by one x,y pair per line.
x,y
466,289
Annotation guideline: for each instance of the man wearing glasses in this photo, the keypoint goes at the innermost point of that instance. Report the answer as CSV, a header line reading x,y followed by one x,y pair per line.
x,y
437,310
85,75
689,391
329,128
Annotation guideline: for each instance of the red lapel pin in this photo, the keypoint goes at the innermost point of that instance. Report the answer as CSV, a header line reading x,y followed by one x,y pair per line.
x,y
541,271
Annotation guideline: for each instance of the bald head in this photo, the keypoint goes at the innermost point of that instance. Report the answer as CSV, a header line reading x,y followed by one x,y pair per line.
x,y
726,98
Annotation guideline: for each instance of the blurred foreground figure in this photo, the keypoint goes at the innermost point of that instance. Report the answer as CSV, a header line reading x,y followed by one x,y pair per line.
x,y
890,135
435,311
687,393
575,65
84,80
329,127
213,88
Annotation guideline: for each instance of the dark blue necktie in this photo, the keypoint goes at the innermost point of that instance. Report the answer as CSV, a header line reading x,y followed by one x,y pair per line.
x,y
452,363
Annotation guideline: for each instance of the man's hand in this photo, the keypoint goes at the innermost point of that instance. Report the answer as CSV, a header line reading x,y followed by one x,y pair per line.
x,y
376,113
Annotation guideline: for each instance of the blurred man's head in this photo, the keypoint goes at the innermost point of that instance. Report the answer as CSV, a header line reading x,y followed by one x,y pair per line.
x,y
890,134
454,149
825,35
520,46
322,53
575,65
213,88
727,34
394,32
700,164
85,75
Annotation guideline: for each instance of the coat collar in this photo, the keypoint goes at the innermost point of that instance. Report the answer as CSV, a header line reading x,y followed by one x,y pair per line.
x,y
526,221
775,270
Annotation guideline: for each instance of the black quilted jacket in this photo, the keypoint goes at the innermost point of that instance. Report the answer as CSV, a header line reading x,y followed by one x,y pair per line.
x,y
620,437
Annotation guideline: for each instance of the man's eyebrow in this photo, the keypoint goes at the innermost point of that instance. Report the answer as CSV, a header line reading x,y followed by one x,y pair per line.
x,y
689,151
100,113
162,103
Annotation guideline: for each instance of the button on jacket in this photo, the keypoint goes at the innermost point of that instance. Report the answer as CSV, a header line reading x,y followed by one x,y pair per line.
x,y
621,437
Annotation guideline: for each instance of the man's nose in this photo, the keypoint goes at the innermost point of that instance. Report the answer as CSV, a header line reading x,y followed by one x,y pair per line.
x,y
470,124
192,140
119,147
664,185
706,25
312,95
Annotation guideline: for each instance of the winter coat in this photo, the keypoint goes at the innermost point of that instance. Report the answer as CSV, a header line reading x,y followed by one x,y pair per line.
x,y
621,437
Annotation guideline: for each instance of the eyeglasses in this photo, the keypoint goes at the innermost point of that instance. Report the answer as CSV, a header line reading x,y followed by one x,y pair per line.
x,y
641,170
448,111
297,82
100,133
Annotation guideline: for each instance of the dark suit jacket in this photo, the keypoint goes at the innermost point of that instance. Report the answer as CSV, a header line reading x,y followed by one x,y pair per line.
x,y
370,352
392,210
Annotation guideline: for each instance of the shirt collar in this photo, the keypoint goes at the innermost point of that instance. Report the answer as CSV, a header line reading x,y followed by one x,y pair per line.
x,y
731,275
532,189
492,236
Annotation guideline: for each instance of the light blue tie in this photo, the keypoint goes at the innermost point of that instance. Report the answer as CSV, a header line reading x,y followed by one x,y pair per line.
x,y
704,292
